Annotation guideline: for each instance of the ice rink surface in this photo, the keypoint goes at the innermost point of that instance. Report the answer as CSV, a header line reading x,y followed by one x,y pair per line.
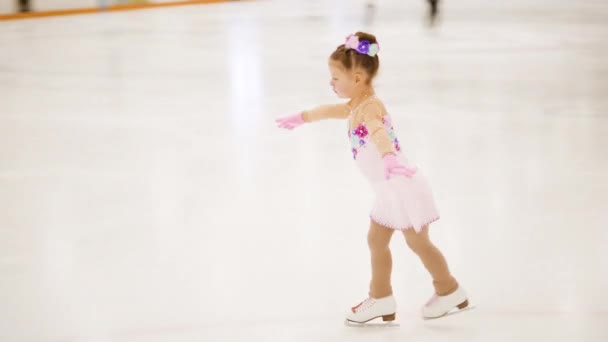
x,y
146,194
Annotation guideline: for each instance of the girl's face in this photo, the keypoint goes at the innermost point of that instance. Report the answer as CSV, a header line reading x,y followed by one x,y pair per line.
x,y
342,81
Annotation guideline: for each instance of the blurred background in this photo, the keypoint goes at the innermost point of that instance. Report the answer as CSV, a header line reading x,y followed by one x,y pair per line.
x,y
24,6
146,194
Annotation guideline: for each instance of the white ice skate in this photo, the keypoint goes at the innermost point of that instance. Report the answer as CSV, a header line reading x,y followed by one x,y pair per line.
x,y
373,308
439,306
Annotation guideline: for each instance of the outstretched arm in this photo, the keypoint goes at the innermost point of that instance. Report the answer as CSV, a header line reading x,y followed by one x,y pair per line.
x,y
332,111
335,111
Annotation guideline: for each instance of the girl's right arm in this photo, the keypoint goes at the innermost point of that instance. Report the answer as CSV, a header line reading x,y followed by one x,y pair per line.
x,y
333,111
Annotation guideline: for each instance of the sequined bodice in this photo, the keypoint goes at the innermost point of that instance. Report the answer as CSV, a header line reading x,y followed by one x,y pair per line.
x,y
359,136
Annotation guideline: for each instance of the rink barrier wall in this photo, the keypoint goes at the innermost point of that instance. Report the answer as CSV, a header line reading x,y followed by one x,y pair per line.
x,y
109,8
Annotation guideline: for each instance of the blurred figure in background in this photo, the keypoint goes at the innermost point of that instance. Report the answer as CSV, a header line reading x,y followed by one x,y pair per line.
x,y
433,11
24,5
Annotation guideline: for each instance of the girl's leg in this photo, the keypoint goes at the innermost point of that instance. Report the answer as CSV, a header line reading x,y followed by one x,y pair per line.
x,y
432,259
378,240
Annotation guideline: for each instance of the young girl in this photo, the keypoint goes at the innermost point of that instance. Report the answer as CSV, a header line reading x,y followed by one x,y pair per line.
x,y
404,200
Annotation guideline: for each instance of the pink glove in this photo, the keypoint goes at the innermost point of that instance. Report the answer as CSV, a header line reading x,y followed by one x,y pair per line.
x,y
392,167
290,122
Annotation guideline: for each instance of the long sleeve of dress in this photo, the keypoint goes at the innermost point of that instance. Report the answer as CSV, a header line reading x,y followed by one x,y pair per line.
x,y
372,118
332,111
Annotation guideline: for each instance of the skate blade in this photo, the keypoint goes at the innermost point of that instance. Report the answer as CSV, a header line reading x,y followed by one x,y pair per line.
x,y
371,324
451,313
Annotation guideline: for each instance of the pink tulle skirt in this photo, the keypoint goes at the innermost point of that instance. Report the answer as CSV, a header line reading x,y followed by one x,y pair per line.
x,y
400,202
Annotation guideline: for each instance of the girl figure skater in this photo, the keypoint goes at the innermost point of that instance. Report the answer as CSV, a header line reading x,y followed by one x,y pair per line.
x,y
404,201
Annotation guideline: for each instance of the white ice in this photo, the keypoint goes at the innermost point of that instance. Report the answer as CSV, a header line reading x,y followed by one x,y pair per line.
x,y
146,194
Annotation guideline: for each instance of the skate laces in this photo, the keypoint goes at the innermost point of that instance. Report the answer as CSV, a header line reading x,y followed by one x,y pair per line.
x,y
364,305
433,299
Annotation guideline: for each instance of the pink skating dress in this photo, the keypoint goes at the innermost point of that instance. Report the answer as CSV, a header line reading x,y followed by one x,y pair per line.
x,y
400,202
